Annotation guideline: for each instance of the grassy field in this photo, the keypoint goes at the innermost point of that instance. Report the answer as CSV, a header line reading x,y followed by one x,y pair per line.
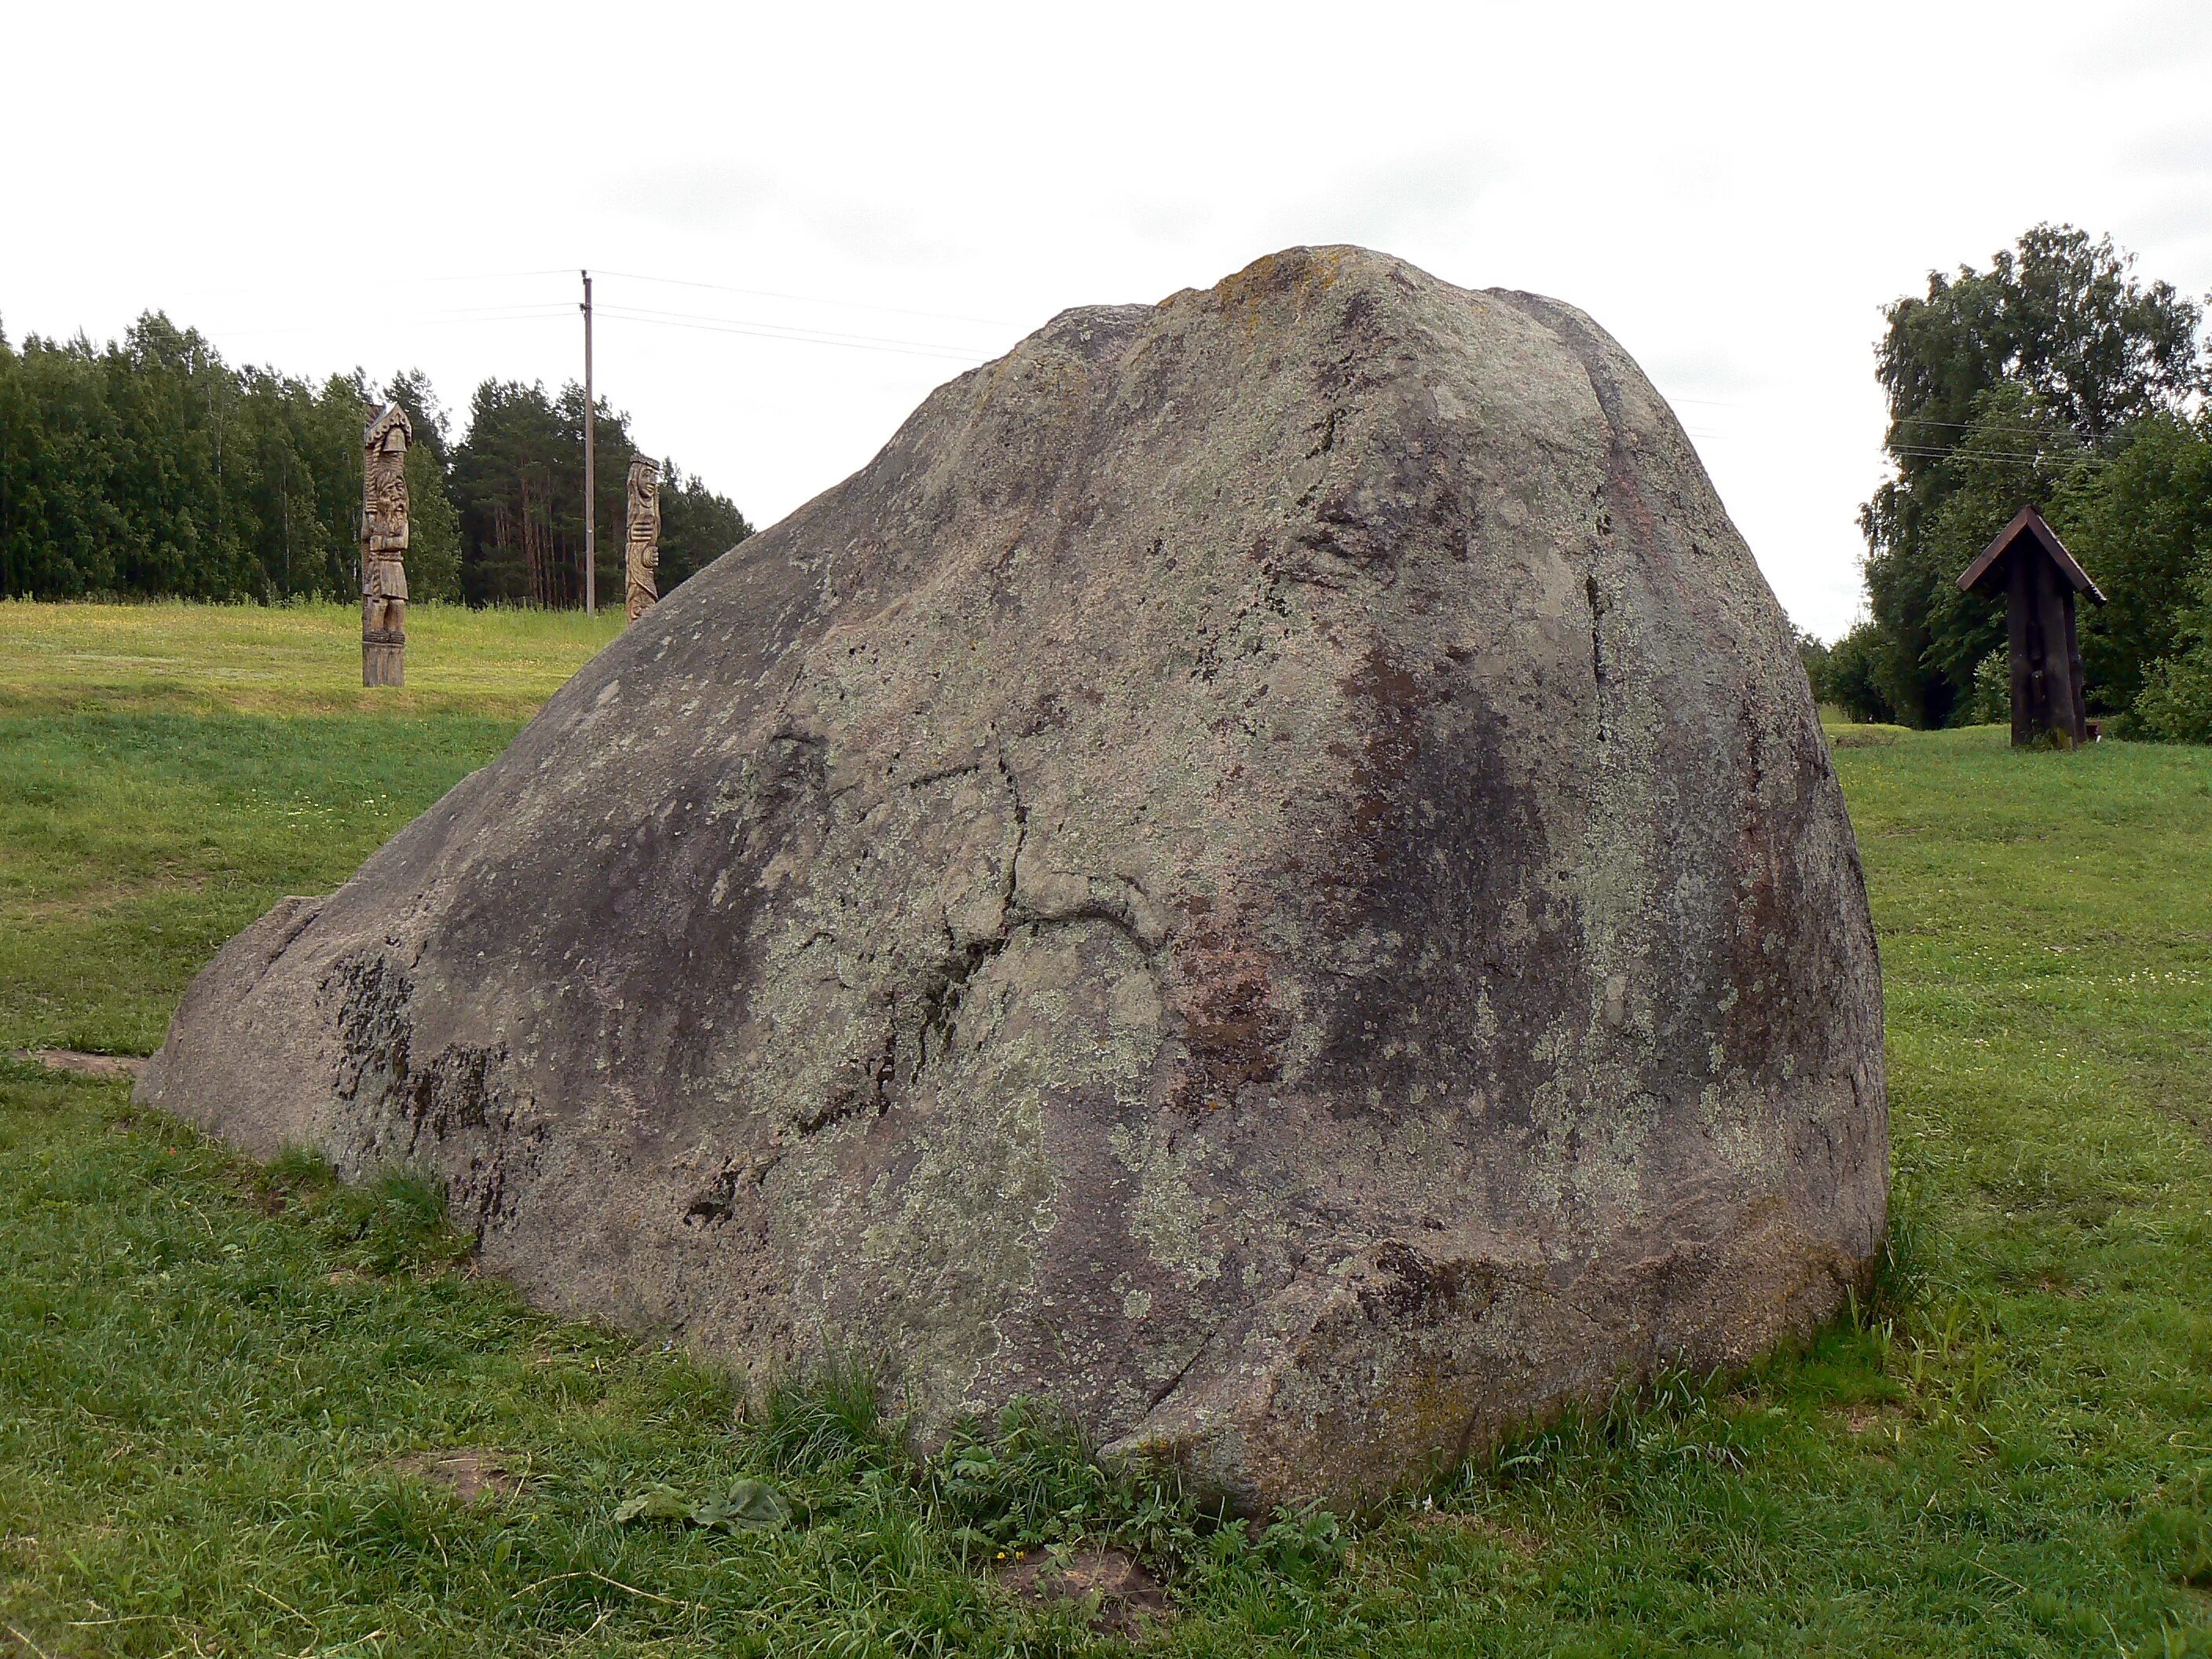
x,y
294,660
233,1401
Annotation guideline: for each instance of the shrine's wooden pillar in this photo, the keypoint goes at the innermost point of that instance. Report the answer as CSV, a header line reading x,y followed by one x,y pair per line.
x,y
2026,671
2080,704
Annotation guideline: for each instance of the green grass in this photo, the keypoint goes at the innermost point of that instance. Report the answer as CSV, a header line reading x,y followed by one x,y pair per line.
x,y
217,1382
288,659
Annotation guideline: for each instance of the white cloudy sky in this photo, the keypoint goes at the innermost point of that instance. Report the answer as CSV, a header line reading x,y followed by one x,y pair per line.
x,y
1733,190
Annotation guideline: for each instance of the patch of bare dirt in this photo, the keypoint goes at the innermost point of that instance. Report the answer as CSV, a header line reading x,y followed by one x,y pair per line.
x,y
78,1064
1122,1594
1868,1419
1526,1545
472,1473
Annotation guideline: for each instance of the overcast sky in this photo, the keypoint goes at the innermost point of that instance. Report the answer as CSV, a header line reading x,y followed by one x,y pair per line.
x,y
871,199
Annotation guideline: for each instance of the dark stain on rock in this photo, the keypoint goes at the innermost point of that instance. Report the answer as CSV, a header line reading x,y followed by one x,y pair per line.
x,y
1230,1030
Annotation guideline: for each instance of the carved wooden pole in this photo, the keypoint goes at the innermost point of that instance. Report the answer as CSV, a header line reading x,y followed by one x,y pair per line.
x,y
642,545
383,546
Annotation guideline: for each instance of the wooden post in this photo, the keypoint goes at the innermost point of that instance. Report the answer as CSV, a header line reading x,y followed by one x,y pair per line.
x,y
591,512
2025,687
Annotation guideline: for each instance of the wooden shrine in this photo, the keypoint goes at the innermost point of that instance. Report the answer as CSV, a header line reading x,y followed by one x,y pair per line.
x,y
2030,567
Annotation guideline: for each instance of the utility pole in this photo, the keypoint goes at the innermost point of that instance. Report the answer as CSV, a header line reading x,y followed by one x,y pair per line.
x,y
590,420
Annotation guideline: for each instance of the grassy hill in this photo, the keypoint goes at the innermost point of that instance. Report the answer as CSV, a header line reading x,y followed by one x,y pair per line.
x,y
245,1411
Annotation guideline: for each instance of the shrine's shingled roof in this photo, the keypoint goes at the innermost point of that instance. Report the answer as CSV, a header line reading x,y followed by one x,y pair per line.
x,y
2028,522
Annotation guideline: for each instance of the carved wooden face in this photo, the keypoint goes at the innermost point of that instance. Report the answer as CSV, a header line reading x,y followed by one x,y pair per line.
x,y
387,478
386,481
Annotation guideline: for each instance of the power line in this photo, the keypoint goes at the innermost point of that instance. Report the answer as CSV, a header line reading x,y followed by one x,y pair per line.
x,y
547,311
486,276
542,311
772,331
2068,458
807,299
550,306
659,314
2020,435
563,314
1966,426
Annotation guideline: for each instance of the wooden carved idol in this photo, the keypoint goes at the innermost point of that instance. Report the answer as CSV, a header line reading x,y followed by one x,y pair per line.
x,y
384,547
643,556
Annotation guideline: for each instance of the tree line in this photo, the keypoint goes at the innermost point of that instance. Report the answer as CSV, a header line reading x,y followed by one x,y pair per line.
x,y
150,468
2056,377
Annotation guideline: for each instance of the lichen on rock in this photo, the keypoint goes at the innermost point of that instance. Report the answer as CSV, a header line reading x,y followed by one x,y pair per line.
x,y
1265,871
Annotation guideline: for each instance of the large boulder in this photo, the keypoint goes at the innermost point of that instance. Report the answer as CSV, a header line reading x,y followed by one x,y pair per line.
x,y
1266,871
